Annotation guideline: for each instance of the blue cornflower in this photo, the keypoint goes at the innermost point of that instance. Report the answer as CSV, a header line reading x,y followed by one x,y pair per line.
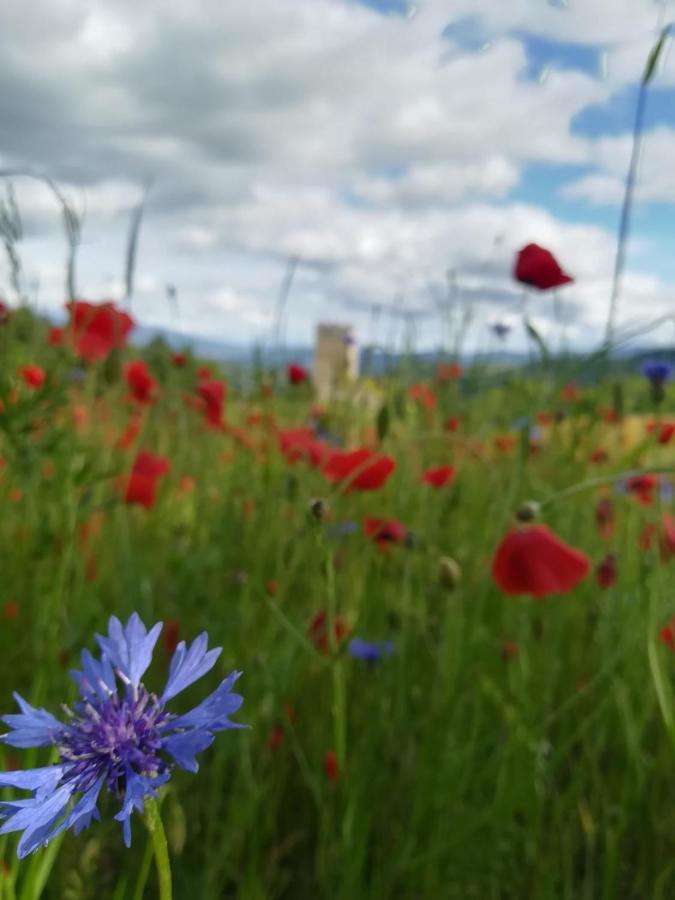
x,y
342,529
125,740
370,651
657,371
501,329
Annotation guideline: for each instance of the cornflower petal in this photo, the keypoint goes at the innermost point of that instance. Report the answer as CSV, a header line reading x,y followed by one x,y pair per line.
x,y
212,713
138,787
85,809
43,779
189,665
36,817
184,747
129,648
32,727
96,678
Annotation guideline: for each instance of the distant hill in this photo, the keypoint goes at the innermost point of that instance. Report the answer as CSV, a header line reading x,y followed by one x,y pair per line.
x,y
373,360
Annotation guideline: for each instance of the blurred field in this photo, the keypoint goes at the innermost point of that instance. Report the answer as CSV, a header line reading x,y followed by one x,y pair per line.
x,y
507,748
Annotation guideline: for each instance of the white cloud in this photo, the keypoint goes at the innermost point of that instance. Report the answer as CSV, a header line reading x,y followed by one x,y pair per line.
x,y
376,150
656,177
441,183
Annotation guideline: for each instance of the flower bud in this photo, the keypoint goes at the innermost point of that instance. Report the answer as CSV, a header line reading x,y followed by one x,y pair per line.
x,y
449,573
528,512
319,509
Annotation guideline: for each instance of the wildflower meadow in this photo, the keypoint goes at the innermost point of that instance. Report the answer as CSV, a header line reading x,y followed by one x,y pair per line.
x,y
446,599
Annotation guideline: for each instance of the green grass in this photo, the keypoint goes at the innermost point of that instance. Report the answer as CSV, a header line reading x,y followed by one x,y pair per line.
x,y
463,774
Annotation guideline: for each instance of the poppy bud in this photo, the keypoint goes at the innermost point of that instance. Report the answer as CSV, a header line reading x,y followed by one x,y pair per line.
x,y
331,765
319,509
605,572
528,512
449,573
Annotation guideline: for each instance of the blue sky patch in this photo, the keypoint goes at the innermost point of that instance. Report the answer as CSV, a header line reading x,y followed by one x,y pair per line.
x,y
543,54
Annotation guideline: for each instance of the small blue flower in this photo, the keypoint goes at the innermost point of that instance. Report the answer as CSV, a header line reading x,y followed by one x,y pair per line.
x,y
125,740
657,371
370,651
77,375
342,529
501,329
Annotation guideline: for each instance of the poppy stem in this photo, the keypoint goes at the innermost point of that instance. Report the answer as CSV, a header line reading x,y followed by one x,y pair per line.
x,y
153,821
631,179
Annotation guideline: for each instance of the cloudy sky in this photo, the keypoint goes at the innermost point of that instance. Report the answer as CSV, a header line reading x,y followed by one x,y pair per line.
x,y
383,144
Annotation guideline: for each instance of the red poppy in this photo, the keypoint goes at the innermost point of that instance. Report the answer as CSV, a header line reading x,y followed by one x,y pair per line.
x,y
178,359
204,373
509,650
665,532
604,518
570,393
34,376
318,631
91,529
297,374
171,637
97,328
665,432
360,470
667,537
5,313
609,415
131,432
385,531
186,484
599,455
642,487
55,337
276,737
539,268
544,418
449,372
140,381
141,485
667,634
605,572
505,442
453,423
10,610
439,477
423,395
300,444
213,395
536,562
330,764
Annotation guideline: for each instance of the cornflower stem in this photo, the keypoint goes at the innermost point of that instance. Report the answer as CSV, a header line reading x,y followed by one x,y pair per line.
x,y
153,821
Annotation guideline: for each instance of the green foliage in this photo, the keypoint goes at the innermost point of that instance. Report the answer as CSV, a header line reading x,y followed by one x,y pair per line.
x,y
467,768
